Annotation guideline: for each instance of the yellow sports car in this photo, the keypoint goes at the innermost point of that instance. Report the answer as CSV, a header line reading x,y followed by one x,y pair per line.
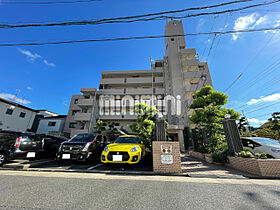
x,y
126,149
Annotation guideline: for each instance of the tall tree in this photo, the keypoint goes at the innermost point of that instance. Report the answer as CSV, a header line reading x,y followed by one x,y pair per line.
x,y
209,114
275,121
242,123
145,123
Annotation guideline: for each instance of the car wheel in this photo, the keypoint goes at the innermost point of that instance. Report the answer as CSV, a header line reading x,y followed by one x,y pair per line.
x,y
3,158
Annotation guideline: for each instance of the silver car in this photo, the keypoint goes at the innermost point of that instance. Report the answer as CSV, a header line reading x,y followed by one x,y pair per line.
x,y
271,147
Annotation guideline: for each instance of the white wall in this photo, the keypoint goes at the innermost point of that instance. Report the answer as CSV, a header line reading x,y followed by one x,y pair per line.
x,y
44,127
14,122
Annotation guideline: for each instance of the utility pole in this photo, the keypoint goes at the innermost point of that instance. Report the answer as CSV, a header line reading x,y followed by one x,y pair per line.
x,y
92,114
151,60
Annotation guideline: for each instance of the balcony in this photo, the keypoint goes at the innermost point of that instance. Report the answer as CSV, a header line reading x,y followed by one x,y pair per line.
x,y
190,62
82,116
85,102
112,91
144,91
188,51
118,117
112,81
192,74
191,88
144,80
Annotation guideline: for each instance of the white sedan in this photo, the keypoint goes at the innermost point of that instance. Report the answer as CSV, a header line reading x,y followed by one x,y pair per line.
x,y
271,147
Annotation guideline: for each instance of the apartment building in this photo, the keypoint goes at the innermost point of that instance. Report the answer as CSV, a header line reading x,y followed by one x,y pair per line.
x,y
171,83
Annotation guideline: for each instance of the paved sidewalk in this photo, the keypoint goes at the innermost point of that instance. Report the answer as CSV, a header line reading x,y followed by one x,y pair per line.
x,y
199,168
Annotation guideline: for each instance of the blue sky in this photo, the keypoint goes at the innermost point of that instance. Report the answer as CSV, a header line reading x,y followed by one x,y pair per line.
x,y
45,77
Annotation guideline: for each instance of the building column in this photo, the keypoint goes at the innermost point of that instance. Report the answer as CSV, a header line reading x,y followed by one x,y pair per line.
x,y
181,140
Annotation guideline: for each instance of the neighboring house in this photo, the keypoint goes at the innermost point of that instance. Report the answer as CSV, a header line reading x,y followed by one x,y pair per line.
x,y
15,117
40,115
52,125
179,74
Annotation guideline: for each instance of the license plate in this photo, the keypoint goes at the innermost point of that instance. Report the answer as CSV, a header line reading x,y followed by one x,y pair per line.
x,y
66,156
117,157
30,154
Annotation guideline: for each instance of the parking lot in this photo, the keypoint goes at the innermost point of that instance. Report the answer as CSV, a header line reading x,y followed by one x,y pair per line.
x,y
51,164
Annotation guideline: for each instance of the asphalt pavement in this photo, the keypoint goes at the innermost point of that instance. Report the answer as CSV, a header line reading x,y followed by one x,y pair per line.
x,y
49,190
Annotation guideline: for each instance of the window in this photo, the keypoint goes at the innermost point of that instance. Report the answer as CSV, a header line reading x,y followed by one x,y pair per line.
x,y
51,123
74,112
9,111
172,39
201,68
117,124
76,101
22,115
158,64
72,125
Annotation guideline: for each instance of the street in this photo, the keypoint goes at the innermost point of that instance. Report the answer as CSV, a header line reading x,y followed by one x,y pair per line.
x,y
44,190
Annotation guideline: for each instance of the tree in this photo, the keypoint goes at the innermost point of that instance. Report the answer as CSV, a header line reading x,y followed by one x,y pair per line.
x,y
209,114
100,126
270,129
275,123
145,123
242,123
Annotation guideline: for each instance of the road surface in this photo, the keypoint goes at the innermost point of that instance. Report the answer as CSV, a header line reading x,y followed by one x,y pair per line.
x,y
60,190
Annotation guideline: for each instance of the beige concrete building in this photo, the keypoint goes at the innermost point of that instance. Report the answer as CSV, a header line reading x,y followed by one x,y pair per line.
x,y
172,81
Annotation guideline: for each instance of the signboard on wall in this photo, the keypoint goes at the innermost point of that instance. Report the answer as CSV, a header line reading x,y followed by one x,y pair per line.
x,y
167,159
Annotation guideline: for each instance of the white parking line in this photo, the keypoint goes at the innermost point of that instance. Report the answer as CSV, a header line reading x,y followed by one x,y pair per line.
x,y
96,166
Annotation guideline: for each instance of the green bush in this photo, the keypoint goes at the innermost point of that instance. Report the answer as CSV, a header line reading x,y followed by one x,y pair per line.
x,y
220,154
248,154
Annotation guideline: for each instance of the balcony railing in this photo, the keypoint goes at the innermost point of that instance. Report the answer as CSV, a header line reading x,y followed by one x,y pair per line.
x,y
85,102
82,116
190,62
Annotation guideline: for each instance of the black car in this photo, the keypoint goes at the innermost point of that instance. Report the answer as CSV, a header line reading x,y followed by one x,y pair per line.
x,y
83,147
31,145
7,145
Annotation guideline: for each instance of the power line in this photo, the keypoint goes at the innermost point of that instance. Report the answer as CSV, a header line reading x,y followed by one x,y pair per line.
x,y
263,107
209,35
135,37
246,68
47,2
130,19
217,45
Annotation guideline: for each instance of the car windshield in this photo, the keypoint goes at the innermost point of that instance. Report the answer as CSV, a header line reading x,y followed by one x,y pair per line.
x,y
83,138
134,140
266,141
28,137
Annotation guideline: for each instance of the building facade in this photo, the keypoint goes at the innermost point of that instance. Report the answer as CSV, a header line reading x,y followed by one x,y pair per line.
x,y
15,117
169,85
52,125
40,115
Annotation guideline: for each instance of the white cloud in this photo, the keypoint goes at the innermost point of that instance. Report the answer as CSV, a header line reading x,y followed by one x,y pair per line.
x,y
254,120
48,63
248,21
270,98
29,88
30,56
8,96
261,21
33,56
